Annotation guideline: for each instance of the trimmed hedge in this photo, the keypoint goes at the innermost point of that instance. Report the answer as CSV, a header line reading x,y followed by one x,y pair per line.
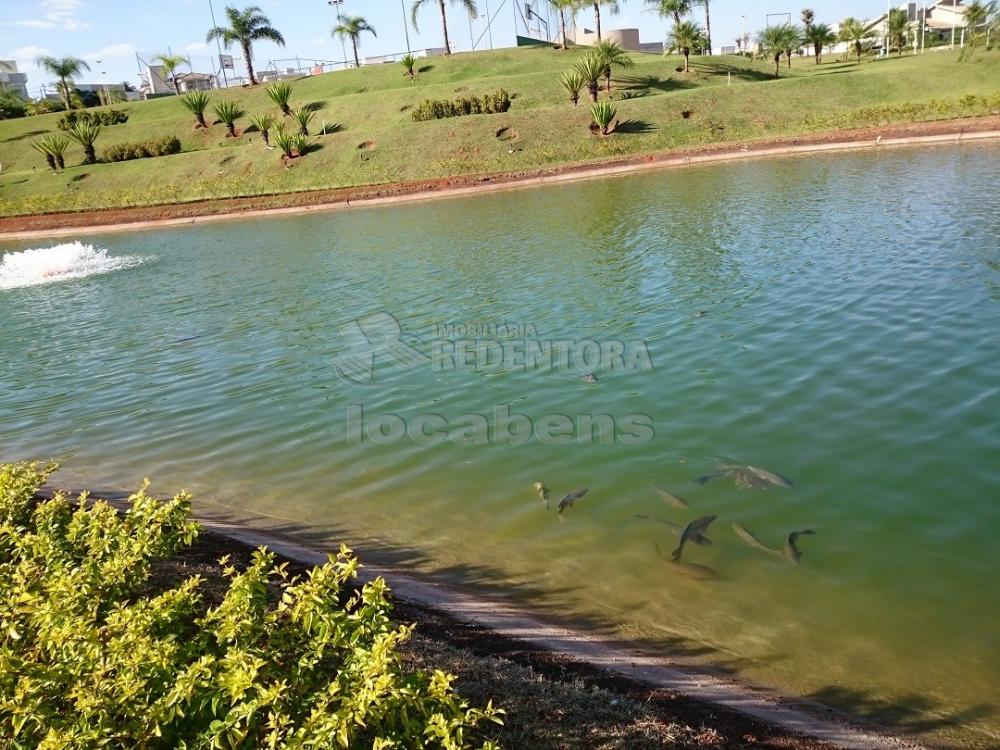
x,y
157,147
437,109
104,117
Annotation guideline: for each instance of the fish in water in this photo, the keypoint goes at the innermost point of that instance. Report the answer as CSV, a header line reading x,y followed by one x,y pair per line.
x,y
543,493
572,497
744,533
694,529
672,499
701,539
792,552
589,378
746,476
691,570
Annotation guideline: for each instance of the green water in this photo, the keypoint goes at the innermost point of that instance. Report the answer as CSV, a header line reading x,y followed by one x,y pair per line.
x,y
834,319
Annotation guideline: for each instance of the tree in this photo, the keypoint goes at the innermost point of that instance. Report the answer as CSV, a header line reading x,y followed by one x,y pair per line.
x,y
792,43
819,36
470,8
856,34
672,8
352,28
897,26
808,17
708,26
246,27
563,6
612,54
85,133
774,40
591,67
65,69
169,65
613,7
978,14
684,37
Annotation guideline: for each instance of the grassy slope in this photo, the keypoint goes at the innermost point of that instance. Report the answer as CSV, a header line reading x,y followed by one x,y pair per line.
x,y
371,104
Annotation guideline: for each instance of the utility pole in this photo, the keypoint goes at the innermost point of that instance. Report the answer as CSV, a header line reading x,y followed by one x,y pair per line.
x,y
406,26
218,46
343,45
489,24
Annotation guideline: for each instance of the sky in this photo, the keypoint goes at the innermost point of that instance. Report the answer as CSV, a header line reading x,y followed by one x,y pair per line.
x,y
113,32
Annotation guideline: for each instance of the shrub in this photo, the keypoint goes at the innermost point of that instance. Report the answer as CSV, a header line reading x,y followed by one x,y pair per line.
x,y
229,112
53,148
164,146
285,141
409,62
436,109
85,133
572,81
12,106
263,121
281,95
196,102
591,67
105,117
96,653
302,118
604,117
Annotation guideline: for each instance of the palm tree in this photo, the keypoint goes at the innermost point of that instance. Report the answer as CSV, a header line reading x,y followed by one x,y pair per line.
x,y
65,69
85,133
613,7
246,27
708,27
352,28
169,64
819,36
807,18
612,54
671,8
792,43
897,27
562,6
684,37
591,67
774,40
470,8
855,33
978,14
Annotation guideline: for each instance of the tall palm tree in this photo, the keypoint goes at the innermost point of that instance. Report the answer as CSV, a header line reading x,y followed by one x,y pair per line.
x,y
792,43
819,35
708,26
978,14
470,8
613,7
897,27
855,33
808,17
246,27
564,6
352,28
775,40
671,8
65,69
169,65
684,37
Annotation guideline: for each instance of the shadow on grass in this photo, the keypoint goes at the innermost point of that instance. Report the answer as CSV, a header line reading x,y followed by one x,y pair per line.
x,y
635,127
25,134
425,68
740,74
311,147
650,81
315,106
330,128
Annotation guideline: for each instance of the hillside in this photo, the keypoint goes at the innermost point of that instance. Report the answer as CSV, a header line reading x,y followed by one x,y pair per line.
x,y
372,137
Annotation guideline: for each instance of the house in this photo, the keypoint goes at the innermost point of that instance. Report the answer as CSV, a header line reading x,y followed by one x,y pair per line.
x,y
11,80
196,82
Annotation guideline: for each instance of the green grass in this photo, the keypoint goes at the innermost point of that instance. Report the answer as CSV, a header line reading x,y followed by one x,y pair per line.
x,y
372,138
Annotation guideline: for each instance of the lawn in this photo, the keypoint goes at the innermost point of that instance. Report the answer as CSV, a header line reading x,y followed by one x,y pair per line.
x,y
371,137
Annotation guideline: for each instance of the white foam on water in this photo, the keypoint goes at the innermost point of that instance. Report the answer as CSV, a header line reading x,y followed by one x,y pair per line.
x,y
71,260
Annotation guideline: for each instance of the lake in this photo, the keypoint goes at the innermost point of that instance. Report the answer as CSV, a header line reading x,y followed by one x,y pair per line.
x,y
398,378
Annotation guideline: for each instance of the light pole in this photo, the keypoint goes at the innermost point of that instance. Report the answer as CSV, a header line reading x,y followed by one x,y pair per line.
x,y
406,26
343,45
218,46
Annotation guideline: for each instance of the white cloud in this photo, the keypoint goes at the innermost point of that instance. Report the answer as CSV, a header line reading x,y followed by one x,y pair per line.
x,y
28,53
114,50
195,47
55,13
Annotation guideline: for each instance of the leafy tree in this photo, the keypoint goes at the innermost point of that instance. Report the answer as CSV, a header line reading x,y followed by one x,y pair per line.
x,y
775,40
855,33
65,69
196,102
978,15
819,35
470,8
613,54
246,27
169,65
353,28
684,37
808,18
898,26
12,106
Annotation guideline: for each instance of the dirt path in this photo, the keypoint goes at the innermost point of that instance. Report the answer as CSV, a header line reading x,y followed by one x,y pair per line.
x,y
105,220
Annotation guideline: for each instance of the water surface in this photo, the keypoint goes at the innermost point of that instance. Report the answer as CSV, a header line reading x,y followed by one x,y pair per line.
x,y
831,318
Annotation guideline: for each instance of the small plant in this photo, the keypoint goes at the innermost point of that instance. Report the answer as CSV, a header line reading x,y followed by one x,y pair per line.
x,y
572,81
409,62
302,118
263,121
604,117
42,146
57,146
156,147
85,133
591,68
107,117
229,112
196,102
281,94
285,141
436,109
301,144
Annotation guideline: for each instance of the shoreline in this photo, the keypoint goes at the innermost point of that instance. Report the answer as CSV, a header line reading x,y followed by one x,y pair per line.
x,y
55,225
499,628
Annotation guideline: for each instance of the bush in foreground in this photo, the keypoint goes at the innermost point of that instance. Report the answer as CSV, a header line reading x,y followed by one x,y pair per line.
x,y
94,654
436,109
168,144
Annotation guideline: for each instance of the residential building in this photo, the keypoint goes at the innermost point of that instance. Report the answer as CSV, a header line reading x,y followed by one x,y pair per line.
x,y
12,80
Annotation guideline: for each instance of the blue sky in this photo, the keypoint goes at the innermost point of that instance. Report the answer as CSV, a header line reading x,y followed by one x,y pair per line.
x,y
114,31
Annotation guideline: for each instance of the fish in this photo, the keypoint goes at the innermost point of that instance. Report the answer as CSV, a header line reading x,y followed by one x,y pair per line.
x,y
746,476
691,570
701,539
543,493
694,529
792,552
672,499
572,497
589,378
771,477
744,533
